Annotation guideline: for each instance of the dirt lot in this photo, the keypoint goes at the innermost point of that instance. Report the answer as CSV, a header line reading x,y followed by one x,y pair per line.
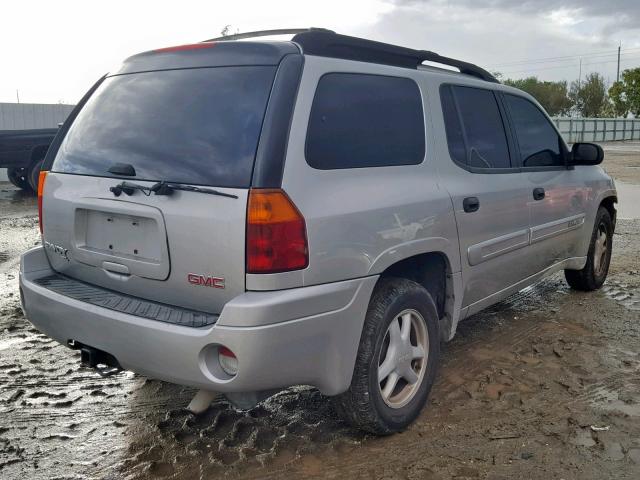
x,y
543,385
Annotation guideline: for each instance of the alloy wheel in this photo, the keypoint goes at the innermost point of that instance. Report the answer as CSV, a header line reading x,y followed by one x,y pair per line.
x,y
403,358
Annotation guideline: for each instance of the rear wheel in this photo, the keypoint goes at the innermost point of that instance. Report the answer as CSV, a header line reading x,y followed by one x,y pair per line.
x,y
594,273
397,359
19,177
34,174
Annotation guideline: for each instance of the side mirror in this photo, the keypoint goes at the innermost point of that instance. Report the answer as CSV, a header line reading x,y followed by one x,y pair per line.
x,y
586,154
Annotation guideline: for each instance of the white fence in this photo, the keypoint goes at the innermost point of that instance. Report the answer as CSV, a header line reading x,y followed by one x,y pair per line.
x,y
598,129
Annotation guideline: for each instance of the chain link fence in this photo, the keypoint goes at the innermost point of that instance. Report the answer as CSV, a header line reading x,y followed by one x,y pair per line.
x,y
598,129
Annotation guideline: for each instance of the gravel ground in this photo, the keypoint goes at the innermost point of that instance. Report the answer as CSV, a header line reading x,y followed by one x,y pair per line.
x,y
543,385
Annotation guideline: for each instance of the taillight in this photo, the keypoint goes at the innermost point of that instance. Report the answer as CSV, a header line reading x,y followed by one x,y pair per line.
x,y
276,233
41,179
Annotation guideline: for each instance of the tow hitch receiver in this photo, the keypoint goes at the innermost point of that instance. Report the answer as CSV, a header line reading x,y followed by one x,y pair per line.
x,y
104,363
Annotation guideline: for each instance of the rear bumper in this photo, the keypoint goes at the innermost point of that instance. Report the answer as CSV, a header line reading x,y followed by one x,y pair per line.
x,y
301,336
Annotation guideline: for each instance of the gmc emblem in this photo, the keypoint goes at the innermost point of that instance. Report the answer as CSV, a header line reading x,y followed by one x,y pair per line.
x,y
205,281
52,247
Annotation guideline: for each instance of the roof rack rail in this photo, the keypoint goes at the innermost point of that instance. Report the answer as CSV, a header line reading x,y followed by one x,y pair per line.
x,y
267,33
330,44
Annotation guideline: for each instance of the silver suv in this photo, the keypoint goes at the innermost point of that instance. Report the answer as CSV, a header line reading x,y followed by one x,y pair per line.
x,y
243,216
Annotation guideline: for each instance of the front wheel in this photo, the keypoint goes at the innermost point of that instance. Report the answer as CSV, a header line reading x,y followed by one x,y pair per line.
x,y
595,271
397,359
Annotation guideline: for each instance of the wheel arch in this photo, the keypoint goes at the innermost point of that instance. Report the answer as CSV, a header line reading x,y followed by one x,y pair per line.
x,y
38,153
609,203
432,270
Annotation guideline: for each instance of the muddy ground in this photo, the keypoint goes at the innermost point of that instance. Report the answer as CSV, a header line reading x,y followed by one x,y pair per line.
x,y
544,385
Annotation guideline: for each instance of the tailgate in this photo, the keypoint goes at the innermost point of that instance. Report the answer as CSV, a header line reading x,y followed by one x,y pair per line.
x,y
186,249
192,127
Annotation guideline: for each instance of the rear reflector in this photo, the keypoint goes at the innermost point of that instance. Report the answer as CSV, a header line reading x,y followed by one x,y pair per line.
x,y
276,233
180,48
228,361
41,180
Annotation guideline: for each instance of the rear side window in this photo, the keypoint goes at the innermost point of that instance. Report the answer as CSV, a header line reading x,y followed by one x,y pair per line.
x,y
362,120
196,126
538,141
474,127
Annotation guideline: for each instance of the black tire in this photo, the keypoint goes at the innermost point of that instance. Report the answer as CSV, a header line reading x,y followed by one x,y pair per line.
x,y
19,177
363,405
594,273
34,174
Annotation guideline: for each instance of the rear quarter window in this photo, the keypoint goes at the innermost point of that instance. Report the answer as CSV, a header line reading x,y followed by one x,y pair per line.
x,y
475,129
360,120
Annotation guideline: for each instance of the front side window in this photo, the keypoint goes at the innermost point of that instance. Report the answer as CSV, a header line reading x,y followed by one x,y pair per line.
x,y
362,120
474,127
540,144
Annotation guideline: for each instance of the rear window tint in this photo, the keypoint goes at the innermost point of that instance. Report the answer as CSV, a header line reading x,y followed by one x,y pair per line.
x,y
197,126
362,120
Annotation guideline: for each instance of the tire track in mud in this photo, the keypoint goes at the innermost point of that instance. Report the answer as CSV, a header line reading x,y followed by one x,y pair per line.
x,y
614,392
291,424
496,333
623,293
16,236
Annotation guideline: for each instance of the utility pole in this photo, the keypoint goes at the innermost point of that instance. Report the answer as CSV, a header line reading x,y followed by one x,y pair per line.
x,y
17,95
618,74
580,74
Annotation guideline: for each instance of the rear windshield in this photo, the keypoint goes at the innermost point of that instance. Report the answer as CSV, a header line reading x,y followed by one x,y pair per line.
x,y
197,126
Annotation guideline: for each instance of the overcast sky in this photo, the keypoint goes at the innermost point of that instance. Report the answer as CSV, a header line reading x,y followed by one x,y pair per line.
x,y
52,51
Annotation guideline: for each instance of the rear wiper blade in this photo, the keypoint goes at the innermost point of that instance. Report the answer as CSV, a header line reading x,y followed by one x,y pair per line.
x,y
129,188
165,188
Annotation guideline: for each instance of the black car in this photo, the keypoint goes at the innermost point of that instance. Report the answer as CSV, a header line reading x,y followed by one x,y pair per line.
x,y
22,153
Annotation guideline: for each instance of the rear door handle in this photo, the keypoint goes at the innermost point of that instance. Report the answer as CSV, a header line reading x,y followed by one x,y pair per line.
x,y
471,204
538,193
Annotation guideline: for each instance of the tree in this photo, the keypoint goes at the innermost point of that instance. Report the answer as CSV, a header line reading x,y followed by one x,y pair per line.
x,y
589,97
609,110
551,95
618,99
625,94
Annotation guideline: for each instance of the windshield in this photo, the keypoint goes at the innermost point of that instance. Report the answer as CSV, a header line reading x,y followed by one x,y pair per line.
x,y
197,126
